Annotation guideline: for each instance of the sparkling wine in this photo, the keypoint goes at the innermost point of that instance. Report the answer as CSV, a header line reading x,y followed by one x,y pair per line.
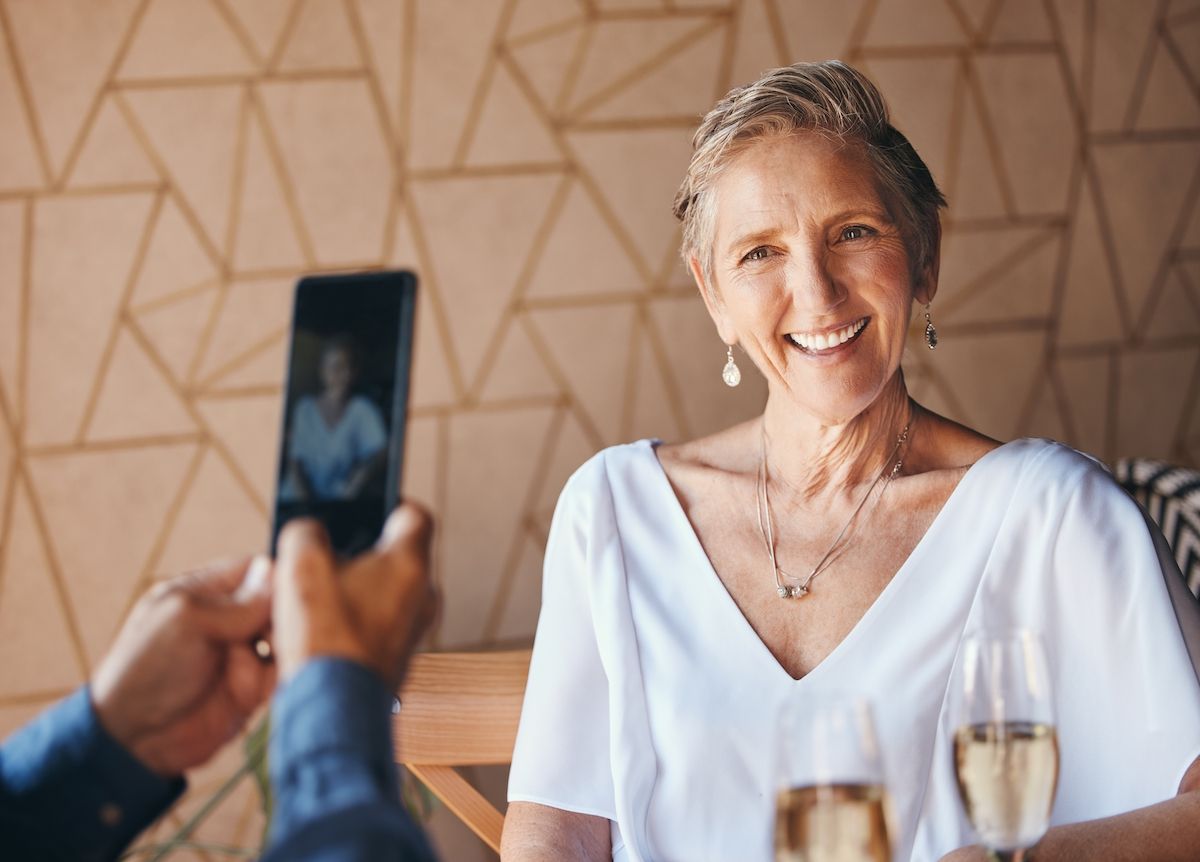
x,y
832,823
1007,774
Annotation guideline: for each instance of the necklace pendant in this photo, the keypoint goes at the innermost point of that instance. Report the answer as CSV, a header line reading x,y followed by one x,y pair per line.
x,y
784,592
799,592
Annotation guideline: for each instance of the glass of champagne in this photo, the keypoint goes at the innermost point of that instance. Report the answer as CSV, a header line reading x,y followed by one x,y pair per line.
x,y
831,804
1005,745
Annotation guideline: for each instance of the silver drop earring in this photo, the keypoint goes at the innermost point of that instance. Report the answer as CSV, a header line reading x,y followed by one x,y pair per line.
x,y
731,374
931,338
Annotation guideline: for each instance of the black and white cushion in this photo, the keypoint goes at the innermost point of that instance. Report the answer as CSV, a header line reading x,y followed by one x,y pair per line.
x,y
1171,496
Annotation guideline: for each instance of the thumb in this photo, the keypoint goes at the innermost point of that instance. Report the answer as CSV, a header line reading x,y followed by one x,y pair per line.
x,y
304,570
232,619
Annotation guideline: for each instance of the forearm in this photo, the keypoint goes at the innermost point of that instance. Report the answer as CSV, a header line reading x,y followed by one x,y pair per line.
x,y
539,833
1164,832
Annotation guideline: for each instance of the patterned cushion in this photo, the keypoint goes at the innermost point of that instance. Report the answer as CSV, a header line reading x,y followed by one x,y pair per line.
x,y
1171,496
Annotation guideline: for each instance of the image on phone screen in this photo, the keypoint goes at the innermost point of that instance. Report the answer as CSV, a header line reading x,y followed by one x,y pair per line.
x,y
346,402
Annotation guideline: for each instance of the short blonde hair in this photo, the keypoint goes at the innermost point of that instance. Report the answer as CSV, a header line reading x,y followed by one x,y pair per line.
x,y
827,98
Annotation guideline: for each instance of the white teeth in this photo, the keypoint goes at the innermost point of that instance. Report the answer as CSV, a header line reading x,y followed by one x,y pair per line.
x,y
823,341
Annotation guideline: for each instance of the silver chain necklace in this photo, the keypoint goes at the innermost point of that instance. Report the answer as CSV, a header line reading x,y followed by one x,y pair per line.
x,y
763,502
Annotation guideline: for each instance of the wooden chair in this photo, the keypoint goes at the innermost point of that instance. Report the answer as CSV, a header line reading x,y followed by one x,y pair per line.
x,y
461,709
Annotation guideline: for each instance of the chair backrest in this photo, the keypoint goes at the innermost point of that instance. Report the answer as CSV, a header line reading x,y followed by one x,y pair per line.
x,y
1171,496
461,709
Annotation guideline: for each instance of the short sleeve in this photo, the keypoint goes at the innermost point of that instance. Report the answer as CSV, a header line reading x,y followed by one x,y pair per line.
x,y
562,752
370,436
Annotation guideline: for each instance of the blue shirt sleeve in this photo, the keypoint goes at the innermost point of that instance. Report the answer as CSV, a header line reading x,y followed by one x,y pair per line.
x,y
69,791
333,773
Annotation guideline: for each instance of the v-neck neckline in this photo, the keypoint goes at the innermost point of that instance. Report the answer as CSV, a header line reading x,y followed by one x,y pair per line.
x,y
696,547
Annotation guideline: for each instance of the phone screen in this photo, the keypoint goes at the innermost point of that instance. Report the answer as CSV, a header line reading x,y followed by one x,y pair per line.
x,y
346,404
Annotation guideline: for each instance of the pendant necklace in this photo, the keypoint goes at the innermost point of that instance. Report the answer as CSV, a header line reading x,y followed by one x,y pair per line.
x,y
767,530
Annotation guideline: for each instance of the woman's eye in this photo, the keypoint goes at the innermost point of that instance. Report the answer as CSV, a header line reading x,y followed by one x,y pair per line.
x,y
759,253
854,232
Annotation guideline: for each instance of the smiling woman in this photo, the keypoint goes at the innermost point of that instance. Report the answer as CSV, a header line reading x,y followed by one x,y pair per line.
x,y
845,540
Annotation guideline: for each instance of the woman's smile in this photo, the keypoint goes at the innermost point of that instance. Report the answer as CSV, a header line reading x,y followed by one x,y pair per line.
x,y
830,340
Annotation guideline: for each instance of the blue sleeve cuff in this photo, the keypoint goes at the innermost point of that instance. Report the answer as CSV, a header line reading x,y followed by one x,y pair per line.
x,y
331,743
69,790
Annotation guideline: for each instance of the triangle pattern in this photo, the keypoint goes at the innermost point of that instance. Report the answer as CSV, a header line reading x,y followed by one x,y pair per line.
x,y
976,12
265,236
31,613
1150,384
12,254
816,37
384,28
977,190
1020,21
531,16
249,430
509,130
1090,313
493,456
333,123
479,232
652,415
447,64
198,151
684,85
264,21
174,329
976,368
77,493
518,370
1120,33
1186,34
264,367
582,256
596,375
66,334
637,174
972,259
1175,312
1074,37
545,63
321,39
754,49
54,35
1045,420
686,337
252,312
111,155
135,400
523,602
620,48
19,165
1036,136
1168,102
920,96
183,38
895,25
1024,290
571,448
1141,178
175,259
217,520
1085,381
432,381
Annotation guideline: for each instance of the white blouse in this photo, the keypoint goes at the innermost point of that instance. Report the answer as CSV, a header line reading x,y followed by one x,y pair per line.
x,y
329,455
652,702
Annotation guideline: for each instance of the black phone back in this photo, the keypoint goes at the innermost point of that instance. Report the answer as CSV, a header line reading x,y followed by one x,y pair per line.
x,y
342,442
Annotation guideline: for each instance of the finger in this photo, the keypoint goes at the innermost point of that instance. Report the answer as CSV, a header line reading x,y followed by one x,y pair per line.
x,y
408,529
230,620
248,679
218,578
257,579
304,570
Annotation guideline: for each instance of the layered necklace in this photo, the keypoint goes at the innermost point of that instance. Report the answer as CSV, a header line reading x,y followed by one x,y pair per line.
x,y
800,586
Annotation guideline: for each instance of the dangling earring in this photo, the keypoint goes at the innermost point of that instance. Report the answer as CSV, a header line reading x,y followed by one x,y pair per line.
x,y
731,374
930,330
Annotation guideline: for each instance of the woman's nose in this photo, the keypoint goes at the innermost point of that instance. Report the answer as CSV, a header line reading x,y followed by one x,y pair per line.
x,y
815,285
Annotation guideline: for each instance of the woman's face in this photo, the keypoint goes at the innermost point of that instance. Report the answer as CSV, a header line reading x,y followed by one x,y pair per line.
x,y
811,274
336,373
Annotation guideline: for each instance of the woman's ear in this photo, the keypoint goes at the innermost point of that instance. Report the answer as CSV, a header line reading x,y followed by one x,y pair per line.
x,y
712,301
927,280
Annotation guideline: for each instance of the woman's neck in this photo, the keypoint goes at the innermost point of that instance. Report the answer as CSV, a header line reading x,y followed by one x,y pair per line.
x,y
813,459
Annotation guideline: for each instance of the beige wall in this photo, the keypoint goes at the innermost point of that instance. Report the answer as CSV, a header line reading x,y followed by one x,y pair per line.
x,y
168,167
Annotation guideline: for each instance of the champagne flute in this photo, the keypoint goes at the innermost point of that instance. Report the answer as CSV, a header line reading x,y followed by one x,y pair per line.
x,y
1005,746
831,804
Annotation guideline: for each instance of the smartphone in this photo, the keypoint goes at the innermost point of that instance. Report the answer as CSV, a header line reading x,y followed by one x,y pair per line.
x,y
346,402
